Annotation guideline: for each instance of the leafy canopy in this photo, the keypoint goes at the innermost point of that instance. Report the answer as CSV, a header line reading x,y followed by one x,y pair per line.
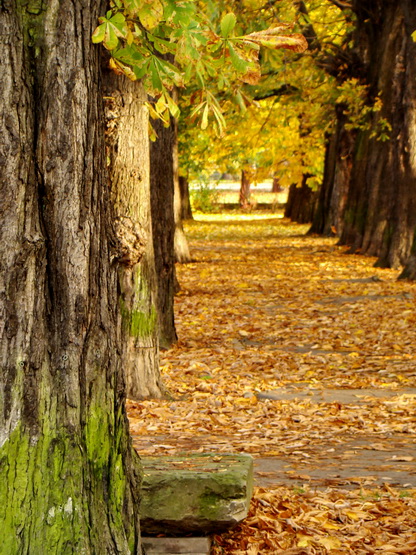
x,y
175,43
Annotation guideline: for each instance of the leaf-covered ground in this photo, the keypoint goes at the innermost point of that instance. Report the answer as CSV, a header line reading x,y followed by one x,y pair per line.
x,y
292,350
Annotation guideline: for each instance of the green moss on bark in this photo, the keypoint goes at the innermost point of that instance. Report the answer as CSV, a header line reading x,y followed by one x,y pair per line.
x,y
138,322
46,504
42,506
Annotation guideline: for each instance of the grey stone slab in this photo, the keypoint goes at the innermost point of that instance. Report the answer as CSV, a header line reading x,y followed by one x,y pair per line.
x,y
195,493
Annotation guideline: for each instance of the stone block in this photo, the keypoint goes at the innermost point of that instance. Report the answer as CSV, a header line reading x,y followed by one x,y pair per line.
x,y
195,493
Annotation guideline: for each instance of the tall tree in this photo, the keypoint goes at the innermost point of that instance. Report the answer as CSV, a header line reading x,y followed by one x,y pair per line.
x,y
127,147
69,475
163,226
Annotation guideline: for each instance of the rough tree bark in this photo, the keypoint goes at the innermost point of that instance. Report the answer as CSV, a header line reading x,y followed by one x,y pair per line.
x,y
128,163
328,217
69,477
186,209
163,225
380,212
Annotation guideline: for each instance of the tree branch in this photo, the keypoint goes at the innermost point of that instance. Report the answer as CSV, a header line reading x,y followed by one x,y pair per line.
x,y
283,90
341,5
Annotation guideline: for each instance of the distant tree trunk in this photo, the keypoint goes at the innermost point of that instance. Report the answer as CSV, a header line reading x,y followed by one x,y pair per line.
x,y
182,253
245,189
128,161
276,188
163,224
301,202
328,215
186,210
69,477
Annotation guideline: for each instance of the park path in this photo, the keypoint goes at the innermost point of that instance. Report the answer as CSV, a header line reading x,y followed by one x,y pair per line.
x,y
292,351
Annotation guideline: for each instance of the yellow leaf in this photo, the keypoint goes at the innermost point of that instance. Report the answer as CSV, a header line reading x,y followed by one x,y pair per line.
x,y
304,541
330,542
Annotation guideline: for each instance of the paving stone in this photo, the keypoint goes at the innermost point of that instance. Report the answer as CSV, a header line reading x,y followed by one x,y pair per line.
x,y
176,546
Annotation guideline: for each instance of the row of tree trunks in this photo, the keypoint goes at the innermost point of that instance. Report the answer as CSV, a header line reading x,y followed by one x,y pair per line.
x,y
380,215
369,190
301,202
69,477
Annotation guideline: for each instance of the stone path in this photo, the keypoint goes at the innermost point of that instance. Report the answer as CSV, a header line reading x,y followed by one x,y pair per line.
x,y
374,460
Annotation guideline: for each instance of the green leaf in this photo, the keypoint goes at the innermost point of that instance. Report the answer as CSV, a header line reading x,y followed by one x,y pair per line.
x,y
118,21
110,38
99,33
240,101
173,107
227,24
204,121
155,77
239,63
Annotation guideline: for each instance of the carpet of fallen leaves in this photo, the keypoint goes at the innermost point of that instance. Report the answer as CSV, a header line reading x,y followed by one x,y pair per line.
x,y
264,307
335,522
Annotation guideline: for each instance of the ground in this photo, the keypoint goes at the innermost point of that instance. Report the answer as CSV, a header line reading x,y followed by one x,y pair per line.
x,y
303,356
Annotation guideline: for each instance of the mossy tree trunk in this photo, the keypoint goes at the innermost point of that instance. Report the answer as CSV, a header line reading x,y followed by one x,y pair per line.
x,y
163,225
69,477
129,167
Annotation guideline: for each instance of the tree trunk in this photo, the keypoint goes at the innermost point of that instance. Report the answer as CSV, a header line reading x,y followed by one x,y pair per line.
x,y
328,217
380,212
182,253
128,162
163,224
69,477
245,189
186,210
276,187
301,202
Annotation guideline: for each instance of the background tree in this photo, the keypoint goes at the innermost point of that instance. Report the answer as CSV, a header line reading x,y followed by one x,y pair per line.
x,y
70,478
163,226
369,183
